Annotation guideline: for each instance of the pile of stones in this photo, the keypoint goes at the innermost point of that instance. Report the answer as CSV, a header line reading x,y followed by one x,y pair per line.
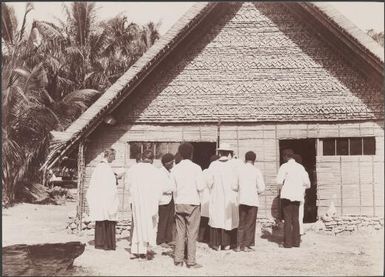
x,y
347,224
123,227
266,223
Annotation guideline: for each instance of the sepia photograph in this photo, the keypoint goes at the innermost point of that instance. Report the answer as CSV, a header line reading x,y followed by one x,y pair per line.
x,y
192,138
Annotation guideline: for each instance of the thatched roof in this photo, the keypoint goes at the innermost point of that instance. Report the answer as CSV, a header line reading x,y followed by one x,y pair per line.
x,y
89,120
347,31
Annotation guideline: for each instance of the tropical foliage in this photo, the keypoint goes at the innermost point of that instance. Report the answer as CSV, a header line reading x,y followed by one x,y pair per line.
x,y
377,36
52,73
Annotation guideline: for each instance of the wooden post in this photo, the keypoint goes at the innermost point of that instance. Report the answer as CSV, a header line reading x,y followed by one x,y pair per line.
x,y
81,169
218,134
341,189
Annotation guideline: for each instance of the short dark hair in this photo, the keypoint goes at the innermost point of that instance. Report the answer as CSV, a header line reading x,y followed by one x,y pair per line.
x,y
177,158
166,158
214,158
297,158
288,153
147,155
186,150
250,156
108,152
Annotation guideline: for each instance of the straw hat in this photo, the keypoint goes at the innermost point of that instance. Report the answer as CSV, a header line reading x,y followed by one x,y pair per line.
x,y
225,147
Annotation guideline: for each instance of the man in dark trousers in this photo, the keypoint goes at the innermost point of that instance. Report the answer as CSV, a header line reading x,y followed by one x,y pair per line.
x,y
293,178
250,184
188,181
166,205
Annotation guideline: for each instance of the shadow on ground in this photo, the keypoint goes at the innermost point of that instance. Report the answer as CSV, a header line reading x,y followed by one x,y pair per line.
x,y
275,234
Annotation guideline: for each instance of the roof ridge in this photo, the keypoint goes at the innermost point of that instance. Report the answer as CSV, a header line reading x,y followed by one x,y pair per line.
x,y
349,28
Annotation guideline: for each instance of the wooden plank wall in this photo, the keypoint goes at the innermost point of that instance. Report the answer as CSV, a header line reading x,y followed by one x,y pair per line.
x,y
355,184
360,191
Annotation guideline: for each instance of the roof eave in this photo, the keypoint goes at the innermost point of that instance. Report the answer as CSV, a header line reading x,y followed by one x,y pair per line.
x,y
137,72
352,36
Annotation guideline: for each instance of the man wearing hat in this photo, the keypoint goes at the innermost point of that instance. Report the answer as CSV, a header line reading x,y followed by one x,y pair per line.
x,y
223,207
166,204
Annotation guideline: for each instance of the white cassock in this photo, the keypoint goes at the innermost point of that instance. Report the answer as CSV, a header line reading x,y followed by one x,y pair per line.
x,y
204,195
223,206
102,194
145,192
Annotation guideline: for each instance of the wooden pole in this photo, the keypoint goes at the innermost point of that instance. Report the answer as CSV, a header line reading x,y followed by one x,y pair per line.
x,y
218,134
81,166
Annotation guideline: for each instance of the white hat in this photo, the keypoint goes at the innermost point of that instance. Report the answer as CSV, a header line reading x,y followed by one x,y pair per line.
x,y
225,147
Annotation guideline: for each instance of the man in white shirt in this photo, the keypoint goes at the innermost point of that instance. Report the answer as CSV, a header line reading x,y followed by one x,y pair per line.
x,y
298,159
293,178
250,184
188,181
166,205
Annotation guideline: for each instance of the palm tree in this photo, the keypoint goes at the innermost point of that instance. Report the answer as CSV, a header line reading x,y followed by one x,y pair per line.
x,y
377,36
51,75
28,111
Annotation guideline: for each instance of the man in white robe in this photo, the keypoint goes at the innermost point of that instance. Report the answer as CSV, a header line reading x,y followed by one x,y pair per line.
x,y
103,202
145,193
223,206
204,195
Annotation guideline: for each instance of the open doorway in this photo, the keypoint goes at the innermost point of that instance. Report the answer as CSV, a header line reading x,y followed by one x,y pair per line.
x,y
202,153
307,149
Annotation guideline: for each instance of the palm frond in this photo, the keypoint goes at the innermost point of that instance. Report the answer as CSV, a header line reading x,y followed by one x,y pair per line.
x,y
83,95
49,30
9,23
28,8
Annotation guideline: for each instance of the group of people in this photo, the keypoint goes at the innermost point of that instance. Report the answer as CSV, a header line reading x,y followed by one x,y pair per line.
x,y
179,204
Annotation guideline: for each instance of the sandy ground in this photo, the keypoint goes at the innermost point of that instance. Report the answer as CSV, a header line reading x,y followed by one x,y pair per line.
x,y
357,254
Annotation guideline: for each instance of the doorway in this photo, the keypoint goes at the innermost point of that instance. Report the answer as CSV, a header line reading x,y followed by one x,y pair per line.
x,y
306,148
202,153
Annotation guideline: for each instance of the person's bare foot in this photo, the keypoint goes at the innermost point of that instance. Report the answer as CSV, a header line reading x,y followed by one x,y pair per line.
x,y
134,256
237,249
194,265
150,254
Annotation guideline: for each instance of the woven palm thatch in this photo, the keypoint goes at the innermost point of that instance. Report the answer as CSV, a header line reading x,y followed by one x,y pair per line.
x,y
63,141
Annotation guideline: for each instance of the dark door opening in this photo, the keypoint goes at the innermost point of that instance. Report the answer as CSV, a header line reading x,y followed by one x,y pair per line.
x,y
202,153
307,149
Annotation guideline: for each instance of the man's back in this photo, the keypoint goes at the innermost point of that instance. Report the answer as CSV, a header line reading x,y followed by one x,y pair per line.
x,y
188,179
250,181
294,178
142,180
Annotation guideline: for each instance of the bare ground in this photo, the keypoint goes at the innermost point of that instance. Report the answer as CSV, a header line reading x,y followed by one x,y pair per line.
x,y
361,253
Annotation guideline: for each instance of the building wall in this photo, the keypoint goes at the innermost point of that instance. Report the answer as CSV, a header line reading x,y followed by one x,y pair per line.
x,y
354,183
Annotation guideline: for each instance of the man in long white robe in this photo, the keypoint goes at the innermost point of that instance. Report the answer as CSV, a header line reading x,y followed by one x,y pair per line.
x,y
145,193
103,202
223,206
204,195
